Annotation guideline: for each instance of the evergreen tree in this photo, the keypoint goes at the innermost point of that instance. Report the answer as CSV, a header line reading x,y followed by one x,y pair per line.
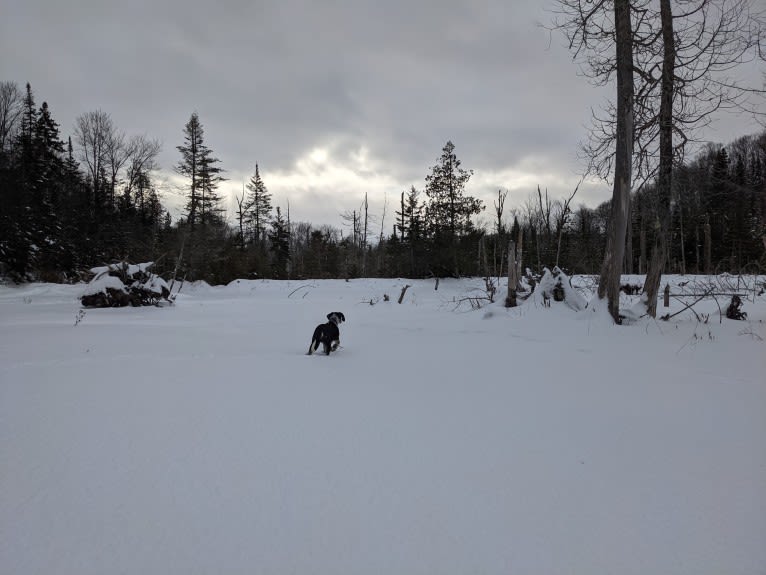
x,y
16,216
209,198
75,213
210,239
449,209
279,236
410,225
27,147
198,164
259,205
718,206
46,204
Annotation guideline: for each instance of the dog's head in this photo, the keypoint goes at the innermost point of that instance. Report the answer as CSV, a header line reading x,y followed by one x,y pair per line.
x,y
336,317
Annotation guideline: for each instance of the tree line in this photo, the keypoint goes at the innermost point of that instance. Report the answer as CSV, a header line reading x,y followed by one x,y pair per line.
x,y
68,204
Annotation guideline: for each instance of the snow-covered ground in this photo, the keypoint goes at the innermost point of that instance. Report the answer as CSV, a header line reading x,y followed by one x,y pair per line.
x,y
200,438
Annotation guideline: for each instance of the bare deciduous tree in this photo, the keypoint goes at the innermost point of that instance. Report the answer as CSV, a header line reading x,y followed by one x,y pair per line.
x,y
562,215
142,155
93,132
243,218
600,34
665,176
115,156
609,281
11,101
499,232
685,59
702,44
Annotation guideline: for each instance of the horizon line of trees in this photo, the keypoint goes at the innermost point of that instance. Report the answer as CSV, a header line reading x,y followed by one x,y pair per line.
x,y
67,205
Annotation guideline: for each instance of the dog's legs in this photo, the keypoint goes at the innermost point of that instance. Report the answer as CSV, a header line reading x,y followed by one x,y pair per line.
x,y
335,345
311,348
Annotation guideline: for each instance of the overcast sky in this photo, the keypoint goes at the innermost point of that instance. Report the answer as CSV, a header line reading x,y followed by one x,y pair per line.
x,y
332,98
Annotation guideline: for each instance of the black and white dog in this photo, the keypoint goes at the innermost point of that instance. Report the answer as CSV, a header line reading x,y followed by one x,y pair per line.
x,y
327,334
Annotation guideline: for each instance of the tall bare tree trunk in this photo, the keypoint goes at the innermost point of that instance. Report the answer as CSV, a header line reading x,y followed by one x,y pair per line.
x,y
364,239
629,243
609,283
513,276
683,240
708,247
665,178
514,269
697,260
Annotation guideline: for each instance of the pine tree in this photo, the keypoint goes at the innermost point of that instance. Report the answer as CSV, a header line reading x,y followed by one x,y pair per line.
x,y
209,179
410,225
279,236
17,239
46,204
718,204
409,218
449,209
75,214
197,165
259,205
27,146
50,162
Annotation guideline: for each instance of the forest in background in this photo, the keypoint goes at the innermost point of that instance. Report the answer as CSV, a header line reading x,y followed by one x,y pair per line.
x,y
69,203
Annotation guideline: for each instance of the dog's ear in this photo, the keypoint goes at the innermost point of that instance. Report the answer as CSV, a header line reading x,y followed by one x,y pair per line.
x,y
338,316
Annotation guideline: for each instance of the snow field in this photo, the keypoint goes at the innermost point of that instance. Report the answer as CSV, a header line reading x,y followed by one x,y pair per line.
x,y
200,438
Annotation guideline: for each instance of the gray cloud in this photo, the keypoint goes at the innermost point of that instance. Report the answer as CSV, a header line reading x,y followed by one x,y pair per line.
x,y
274,81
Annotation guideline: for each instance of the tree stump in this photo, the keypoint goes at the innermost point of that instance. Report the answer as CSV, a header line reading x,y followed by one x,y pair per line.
x,y
513,276
401,295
